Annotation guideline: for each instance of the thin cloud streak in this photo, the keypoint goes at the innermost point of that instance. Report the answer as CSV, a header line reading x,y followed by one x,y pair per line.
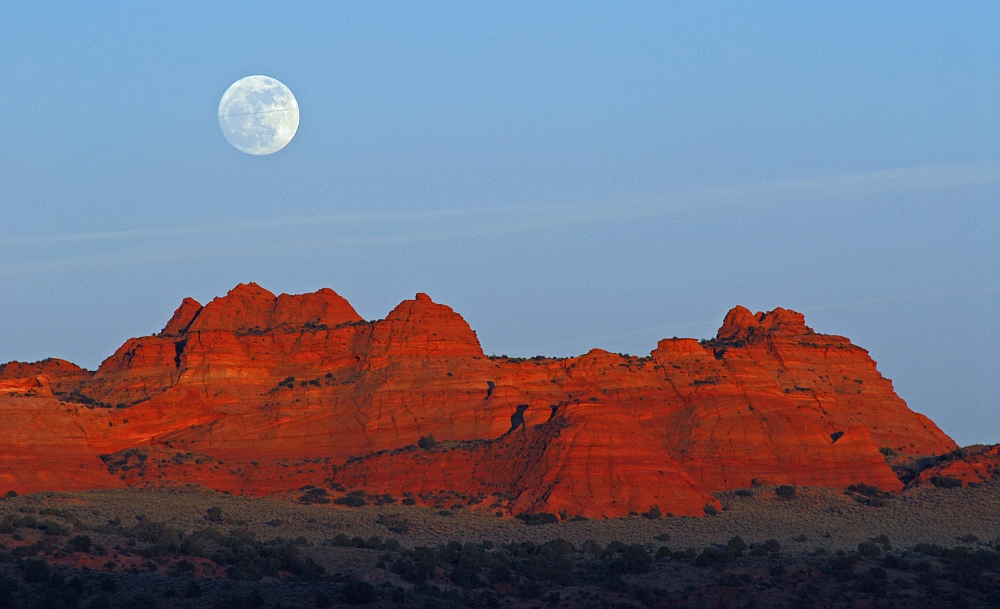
x,y
99,260
858,184
500,220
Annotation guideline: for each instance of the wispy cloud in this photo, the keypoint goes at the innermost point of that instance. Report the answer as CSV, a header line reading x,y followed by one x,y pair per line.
x,y
495,220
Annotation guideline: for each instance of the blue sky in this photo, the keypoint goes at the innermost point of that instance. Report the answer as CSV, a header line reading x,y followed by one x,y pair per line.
x,y
565,175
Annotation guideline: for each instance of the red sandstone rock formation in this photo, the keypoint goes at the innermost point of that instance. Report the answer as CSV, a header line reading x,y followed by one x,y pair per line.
x,y
259,394
971,465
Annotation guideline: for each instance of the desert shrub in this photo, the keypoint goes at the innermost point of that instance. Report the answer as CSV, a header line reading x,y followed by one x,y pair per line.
x,y
157,533
498,572
771,546
530,589
253,600
427,442
398,595
870,549
744,492
785,491
737,544
929,549
208,534
842,568
710,509
352,499
417,565
731,580
35,571
615,547
633,559
394,523
615,583
8,586
357,592
865,489
966,566
341,541
213,514
946,482
873,581
653,513
551,561
80,543
318,495
409,501
101,601
591,547
51,527
663,553
710,557
26,522
28,551
538,518
142,601
245,557
868,495
10,494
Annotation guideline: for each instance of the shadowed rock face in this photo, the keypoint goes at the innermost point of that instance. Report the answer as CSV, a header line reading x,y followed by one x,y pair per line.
x,y
260,394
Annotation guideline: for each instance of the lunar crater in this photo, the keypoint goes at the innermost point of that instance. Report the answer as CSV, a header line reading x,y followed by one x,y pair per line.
x,y
258,115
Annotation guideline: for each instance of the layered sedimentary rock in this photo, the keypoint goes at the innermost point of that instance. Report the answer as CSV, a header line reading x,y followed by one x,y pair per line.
x,y
259,394
968,466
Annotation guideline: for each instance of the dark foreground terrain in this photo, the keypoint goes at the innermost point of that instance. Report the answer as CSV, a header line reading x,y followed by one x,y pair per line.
x,y
767,547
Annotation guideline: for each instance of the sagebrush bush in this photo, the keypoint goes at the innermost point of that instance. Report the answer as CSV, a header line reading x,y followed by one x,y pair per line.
x,y
785,491
946,482
870,549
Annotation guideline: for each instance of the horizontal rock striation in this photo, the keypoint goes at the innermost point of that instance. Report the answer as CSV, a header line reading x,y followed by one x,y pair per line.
x,y
260,394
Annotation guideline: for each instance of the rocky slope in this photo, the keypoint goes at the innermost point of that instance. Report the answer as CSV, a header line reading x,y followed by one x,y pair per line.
x,y
258,394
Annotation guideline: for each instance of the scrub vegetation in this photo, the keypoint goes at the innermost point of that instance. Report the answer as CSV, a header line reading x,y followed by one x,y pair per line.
x,y
194,548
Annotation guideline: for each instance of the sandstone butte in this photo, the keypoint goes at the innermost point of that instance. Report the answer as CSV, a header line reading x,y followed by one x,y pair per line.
x,y
257,394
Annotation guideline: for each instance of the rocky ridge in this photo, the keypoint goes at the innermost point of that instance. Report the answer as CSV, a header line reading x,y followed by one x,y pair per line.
x,y
261,394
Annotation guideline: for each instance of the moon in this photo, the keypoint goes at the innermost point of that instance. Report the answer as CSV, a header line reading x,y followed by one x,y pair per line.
x,y
258,115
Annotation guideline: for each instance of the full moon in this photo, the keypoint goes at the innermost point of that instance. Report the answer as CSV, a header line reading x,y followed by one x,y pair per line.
x,y
258,115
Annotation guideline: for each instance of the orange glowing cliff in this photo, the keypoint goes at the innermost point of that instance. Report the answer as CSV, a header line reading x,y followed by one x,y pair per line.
x,y
257,394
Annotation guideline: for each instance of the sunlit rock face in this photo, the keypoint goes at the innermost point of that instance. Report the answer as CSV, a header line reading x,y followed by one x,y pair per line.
x,y
261,394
